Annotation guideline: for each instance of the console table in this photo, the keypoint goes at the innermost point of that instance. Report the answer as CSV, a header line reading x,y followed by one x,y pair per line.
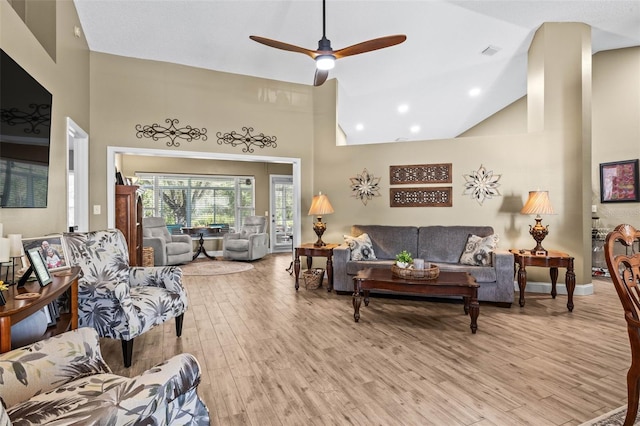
x,y
310,250
552,260
15,310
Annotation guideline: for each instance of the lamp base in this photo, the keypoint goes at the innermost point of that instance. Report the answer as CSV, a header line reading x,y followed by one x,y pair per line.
x,y
539,232
319,227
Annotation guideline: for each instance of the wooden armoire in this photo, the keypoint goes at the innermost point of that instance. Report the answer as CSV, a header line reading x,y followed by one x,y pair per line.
x,y
129,220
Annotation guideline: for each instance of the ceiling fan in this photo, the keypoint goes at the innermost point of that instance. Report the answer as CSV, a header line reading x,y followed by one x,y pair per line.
x,y
325,56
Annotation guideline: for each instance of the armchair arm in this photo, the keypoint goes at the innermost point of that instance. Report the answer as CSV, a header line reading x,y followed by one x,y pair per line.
x,y
169,277
258,243
48,364
166,393
181,238
159,246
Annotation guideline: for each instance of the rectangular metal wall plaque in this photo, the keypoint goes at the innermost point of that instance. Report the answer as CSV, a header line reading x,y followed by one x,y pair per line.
x,y
421,197
420,173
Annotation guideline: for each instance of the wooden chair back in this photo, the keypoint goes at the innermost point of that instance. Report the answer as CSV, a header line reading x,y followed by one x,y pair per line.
x,y
625,274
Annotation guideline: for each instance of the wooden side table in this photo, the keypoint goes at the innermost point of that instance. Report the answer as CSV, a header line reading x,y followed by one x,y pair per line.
x,y
16,309
310,250
552,260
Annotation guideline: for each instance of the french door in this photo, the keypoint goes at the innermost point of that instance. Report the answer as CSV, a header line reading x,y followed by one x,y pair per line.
x,y
282,213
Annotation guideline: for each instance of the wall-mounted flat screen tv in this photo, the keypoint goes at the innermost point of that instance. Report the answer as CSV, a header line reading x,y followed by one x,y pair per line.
x,y
25,134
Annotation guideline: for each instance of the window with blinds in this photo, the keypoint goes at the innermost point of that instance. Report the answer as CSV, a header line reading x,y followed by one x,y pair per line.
x,y
197,200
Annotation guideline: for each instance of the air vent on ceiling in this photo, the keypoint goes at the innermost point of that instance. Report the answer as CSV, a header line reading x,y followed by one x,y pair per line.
x,y
491,50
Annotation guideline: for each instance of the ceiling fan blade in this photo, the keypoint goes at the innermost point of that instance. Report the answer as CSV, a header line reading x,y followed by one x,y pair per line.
x,y
320,77
284,46
369,45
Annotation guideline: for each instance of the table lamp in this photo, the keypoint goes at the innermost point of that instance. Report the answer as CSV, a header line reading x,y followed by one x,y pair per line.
x,y
320,206
538,203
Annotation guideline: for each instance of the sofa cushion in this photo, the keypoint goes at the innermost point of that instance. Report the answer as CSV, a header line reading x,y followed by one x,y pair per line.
x,y
479,251
360,246
445,243
178,248
387,241
236,245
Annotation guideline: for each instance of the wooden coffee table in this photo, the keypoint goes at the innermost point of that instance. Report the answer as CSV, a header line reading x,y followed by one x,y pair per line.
x,y
447,284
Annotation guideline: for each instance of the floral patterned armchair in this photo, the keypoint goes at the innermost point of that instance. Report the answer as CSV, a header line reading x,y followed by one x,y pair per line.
x,y
119,301
64,380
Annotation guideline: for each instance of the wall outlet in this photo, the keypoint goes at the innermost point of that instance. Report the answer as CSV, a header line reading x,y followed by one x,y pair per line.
x,y
96,209
594,208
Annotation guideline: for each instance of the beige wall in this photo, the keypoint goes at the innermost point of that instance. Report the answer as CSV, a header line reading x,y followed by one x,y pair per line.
x,y
616,125
68,80
127,92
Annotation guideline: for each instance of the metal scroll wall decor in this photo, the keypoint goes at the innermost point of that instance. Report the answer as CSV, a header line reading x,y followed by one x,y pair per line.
x,y
234,139
365,186
39,116
481,184
173,133
420,173
421,197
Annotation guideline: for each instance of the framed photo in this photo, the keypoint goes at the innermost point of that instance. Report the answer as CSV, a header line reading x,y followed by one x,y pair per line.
x,y
619,182
51,319
39,266
52,248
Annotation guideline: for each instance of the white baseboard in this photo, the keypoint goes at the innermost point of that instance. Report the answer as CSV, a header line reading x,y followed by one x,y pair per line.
x,y
561,288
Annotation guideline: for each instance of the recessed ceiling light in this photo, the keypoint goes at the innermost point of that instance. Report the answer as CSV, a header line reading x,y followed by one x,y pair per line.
x,y
475,92
414,129
403,108
359,127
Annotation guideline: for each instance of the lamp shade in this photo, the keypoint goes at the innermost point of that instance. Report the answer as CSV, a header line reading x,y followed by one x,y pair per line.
x,y
538,203
320,205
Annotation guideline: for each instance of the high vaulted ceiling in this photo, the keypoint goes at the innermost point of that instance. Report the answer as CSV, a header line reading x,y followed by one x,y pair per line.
x,y
431,74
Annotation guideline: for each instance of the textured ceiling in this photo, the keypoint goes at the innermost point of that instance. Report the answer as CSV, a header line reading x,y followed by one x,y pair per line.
x,y
431,73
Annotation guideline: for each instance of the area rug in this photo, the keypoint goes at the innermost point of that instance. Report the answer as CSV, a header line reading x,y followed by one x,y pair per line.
x,y
215,267
612,418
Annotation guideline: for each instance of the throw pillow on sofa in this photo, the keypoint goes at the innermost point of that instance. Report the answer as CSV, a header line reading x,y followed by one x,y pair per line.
x,y
478,250
361,247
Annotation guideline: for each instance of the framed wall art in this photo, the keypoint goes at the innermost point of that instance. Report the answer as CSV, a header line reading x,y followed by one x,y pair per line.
x,y
420,173
619,182
52,249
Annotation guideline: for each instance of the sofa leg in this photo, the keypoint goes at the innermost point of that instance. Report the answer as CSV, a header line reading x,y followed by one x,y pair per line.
x,y
179,320
127,352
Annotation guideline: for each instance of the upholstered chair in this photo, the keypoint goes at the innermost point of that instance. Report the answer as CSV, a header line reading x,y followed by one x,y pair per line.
x,y
623,260
64,380
251,243
119,301
168,249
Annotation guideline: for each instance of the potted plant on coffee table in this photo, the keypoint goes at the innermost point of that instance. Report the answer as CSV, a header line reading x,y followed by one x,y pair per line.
x,y
404,259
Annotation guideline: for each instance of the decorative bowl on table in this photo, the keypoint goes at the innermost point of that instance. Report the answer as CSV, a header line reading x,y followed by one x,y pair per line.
x,y
430,272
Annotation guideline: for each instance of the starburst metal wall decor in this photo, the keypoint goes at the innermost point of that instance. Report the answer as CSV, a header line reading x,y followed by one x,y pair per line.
x,y
365,186
39,116
173,133
234,139
481,184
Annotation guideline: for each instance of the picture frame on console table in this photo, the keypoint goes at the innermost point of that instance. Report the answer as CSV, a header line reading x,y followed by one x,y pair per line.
x,y
619,182
38,266
58,259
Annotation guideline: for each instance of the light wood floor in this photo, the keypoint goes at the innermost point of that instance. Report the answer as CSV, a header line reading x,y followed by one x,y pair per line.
x,y
271,356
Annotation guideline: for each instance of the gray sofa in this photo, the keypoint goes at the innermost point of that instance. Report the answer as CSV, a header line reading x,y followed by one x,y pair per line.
x,y
441,245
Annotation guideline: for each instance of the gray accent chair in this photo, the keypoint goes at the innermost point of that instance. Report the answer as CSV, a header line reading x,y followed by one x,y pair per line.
x,y
251,243
167,249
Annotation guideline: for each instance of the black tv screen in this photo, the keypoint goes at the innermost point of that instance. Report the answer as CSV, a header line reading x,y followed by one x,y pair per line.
x,y
25,132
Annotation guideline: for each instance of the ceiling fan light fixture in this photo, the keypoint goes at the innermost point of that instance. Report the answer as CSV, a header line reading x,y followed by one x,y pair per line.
x,y
325,62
